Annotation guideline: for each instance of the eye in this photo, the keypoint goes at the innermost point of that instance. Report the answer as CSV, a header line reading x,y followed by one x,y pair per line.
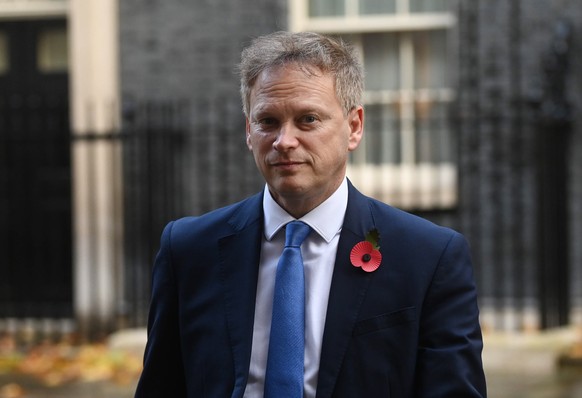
x,y
266,122
309,119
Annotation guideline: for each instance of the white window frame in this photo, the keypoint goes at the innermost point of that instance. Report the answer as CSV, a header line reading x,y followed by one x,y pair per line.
x,y
408,184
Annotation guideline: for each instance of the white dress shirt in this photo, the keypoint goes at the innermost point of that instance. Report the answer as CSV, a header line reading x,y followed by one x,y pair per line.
x,y
319,252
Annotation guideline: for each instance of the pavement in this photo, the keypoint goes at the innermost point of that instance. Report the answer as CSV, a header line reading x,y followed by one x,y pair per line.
x,y
527,365
517,365
21,386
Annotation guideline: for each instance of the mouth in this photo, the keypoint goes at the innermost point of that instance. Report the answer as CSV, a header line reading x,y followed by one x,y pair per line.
x,y
286,164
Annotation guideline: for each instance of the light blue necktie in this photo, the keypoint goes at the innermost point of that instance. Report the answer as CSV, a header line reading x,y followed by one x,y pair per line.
x,y
284,374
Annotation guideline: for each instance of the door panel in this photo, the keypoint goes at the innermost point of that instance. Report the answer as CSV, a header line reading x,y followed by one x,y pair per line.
x,y
35,168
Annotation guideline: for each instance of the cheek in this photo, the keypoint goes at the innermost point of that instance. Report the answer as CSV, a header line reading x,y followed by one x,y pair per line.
x,y
259,145
337,145
252,140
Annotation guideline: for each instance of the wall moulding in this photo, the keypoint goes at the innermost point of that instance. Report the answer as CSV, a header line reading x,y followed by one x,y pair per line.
x,y
18,9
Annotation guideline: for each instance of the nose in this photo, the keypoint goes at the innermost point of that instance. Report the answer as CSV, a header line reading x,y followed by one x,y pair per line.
x,y
286,138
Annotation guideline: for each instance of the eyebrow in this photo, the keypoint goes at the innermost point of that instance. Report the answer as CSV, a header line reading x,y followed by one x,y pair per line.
x,y
302,108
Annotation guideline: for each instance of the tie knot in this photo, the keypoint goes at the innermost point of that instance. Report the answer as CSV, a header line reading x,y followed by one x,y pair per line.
x,y
295,233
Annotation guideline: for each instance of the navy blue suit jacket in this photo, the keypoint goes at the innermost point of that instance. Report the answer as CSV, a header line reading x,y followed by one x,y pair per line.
x,y
408,329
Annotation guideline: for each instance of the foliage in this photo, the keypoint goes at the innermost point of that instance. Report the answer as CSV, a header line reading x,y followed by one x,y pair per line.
x,y
55,364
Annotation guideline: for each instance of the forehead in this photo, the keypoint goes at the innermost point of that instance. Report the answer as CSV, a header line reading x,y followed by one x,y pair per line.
x,y
292,82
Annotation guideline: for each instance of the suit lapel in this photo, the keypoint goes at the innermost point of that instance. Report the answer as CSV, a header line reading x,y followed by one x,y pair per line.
x,y
239,260
348,289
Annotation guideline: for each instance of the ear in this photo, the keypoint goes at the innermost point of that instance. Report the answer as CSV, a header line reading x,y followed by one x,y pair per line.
x,y
248,134
356,125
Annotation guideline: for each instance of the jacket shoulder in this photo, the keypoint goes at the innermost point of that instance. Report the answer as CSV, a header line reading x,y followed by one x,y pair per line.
x,y
216,223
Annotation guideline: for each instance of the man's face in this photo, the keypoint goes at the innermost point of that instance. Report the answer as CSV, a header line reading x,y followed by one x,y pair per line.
x,y
300,136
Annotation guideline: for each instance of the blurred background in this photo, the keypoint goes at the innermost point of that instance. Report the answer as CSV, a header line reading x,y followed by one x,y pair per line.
x,y
117,116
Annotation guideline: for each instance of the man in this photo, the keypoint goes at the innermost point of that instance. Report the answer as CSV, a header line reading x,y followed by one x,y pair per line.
x,y
394,317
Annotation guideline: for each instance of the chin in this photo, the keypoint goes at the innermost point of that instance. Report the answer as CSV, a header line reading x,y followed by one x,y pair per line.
x,y
288,188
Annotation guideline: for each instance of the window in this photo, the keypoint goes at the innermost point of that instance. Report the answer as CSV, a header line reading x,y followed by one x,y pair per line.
x,y
407,155
4,59
52,50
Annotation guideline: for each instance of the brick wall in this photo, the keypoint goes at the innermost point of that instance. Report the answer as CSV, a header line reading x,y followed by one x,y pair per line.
x,y
187,51
500,77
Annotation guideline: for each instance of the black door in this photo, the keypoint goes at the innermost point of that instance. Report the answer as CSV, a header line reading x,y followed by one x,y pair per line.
x,y
35,168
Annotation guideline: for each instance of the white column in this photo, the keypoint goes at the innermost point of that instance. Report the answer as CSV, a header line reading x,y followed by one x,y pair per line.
x,y
97,194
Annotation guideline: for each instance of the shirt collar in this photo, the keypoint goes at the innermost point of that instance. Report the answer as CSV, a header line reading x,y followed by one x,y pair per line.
x,y
323,219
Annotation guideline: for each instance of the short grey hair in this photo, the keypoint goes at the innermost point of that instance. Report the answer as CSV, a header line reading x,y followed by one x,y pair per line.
x,y
306,49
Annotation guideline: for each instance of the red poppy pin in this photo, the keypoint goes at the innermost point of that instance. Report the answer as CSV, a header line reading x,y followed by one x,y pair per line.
x,y
366,254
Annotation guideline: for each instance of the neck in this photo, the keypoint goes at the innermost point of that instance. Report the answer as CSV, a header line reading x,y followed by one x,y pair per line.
x,y
297,208
298,205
